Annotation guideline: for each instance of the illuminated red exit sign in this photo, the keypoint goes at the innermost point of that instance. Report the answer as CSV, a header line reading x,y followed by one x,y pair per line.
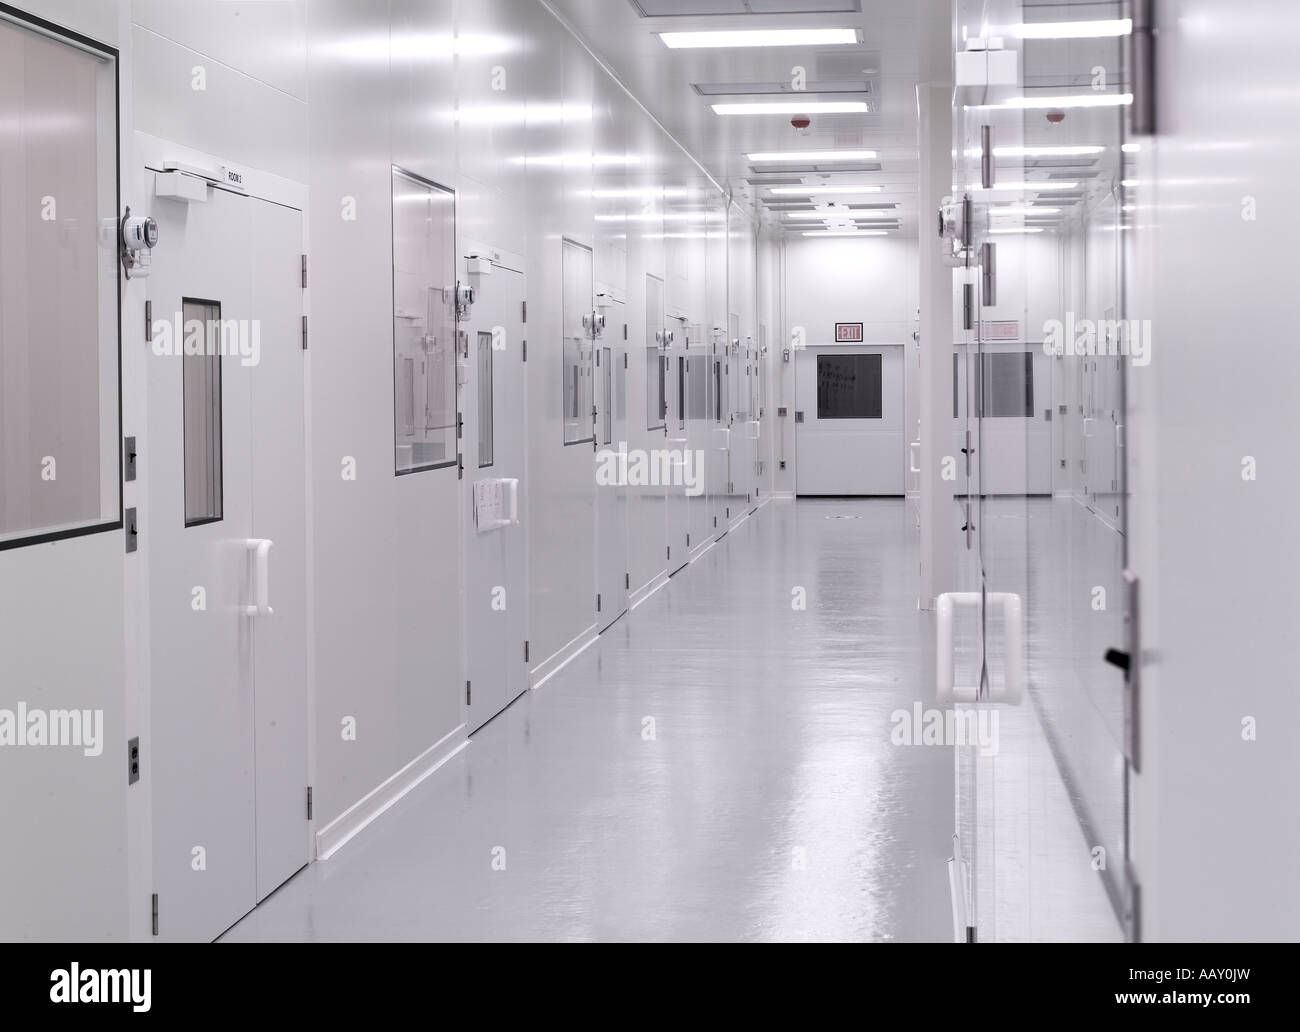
x,y
848,333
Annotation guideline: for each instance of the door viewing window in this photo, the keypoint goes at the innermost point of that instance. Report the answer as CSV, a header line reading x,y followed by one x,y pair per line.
x,y
1006,384
656,393
849,387
606,361
424,324
577,356
486,444
60,471
201,376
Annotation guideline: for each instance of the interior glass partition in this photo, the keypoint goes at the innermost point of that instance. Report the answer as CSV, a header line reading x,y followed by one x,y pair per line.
x,y
1042,354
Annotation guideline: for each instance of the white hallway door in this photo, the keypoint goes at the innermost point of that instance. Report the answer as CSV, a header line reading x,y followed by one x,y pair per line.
x,y
495,576
225,527
612,576
849,420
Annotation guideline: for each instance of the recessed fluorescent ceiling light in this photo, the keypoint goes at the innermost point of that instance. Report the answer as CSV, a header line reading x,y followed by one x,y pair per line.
x,y
802,190
816,155
783,107
1052,184
1073,100
1074,29
1018,229
841,214
759,38
1130,148
1024,210
846,232
1040,152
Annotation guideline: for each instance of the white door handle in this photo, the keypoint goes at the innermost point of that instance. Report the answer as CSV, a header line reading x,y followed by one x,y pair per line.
x,y
513,486
1013,680
754,429
913,456
1087,425
261,549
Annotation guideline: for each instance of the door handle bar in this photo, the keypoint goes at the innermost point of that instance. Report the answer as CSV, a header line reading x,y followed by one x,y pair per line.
x,y
1012,687
261,549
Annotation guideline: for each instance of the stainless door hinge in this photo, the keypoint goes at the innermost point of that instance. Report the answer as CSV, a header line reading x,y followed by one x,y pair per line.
x,y
523,311
309,803
627,581
525,651
466,693
304,272
525,350
154,907
148,322
132,760
304,333
460,466
598,601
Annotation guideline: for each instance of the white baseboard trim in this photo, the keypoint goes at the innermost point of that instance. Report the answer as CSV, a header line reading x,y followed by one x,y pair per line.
x,y
784,496
646,590
556,662
345,827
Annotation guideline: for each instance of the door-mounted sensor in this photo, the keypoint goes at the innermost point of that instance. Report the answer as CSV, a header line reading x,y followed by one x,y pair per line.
x,y
139,236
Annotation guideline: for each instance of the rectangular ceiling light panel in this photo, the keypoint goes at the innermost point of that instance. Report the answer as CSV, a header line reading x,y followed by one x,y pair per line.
x,y
727,38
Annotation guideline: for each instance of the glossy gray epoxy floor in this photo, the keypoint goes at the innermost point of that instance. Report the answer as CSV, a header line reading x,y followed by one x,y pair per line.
x,y
770,803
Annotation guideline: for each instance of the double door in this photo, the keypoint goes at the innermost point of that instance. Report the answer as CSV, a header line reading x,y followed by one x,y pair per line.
x,y
225,525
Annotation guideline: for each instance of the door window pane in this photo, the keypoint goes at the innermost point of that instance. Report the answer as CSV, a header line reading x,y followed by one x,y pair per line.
x,y
577,350
681,392
607,396
59,429
201,377
656,399
1007,384
486,445
424,324
849,387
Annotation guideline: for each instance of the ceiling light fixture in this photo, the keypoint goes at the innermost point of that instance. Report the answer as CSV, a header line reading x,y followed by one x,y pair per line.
x,y
845,232
785,107
1046,184
1039,152
804,190
1017,229
1066,100
1024,209
759,38
848,155
841,213
1075,29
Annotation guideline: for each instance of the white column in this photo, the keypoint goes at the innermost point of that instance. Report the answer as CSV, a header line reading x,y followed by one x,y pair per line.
x,y
934,129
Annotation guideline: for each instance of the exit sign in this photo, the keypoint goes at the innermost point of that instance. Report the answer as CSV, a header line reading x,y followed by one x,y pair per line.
x,y
848,333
